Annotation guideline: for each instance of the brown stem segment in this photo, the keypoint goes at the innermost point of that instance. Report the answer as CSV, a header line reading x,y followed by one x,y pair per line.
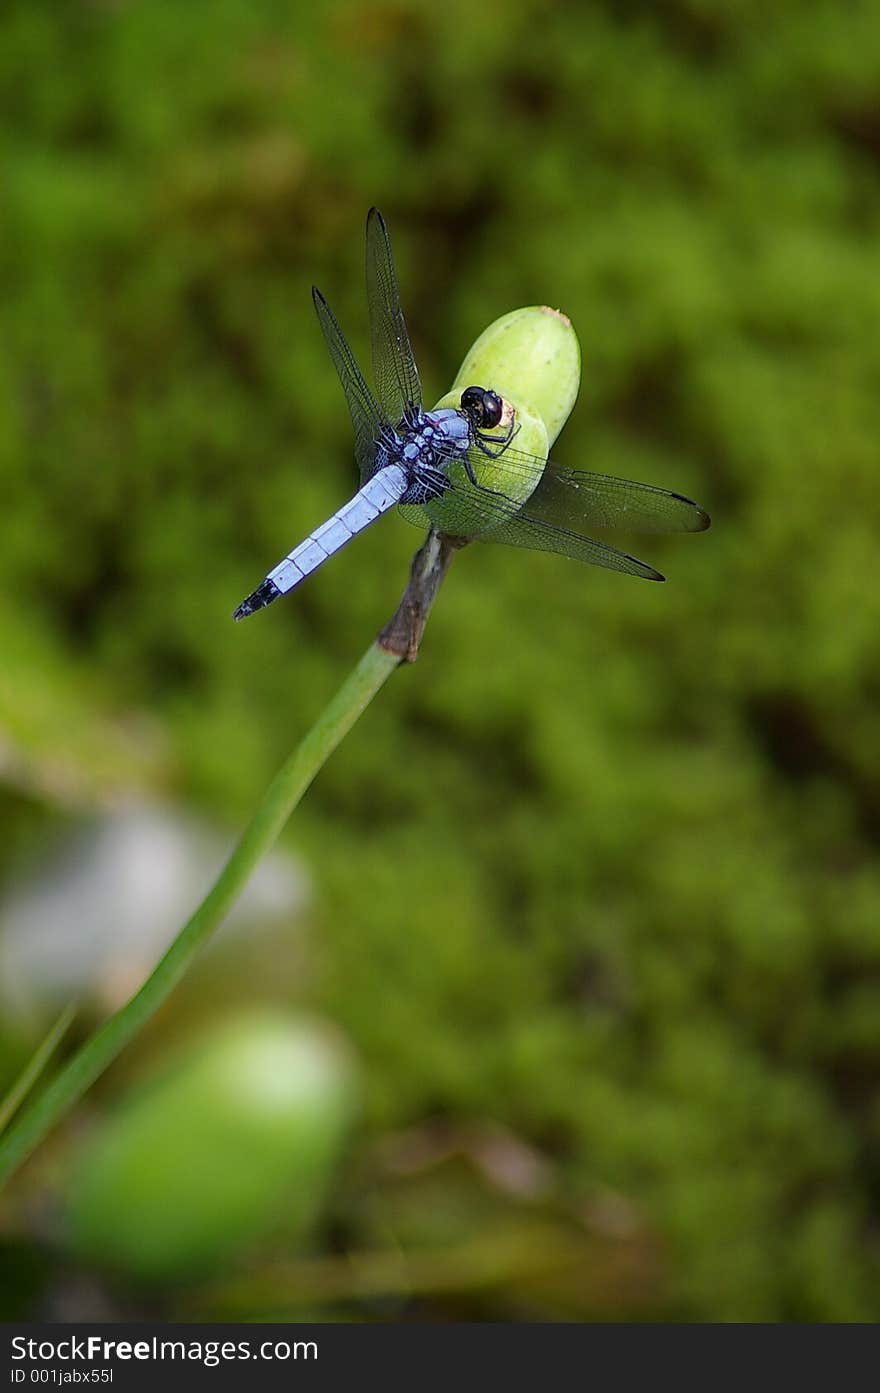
x,y
403,632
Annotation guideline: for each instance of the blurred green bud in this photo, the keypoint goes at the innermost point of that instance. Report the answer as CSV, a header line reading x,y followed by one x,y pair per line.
x,y
235,1143
531,358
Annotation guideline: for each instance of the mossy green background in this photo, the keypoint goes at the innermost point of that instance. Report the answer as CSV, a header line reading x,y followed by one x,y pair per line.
x,y
602,868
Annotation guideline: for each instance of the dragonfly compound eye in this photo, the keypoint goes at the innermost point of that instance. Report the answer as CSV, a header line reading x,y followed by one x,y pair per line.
x,y
493,408
483,407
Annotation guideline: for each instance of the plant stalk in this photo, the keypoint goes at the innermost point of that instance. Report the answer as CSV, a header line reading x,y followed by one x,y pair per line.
x,y
399,641
282,796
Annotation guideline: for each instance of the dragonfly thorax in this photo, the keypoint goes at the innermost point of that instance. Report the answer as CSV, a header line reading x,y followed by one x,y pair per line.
x,y
422,445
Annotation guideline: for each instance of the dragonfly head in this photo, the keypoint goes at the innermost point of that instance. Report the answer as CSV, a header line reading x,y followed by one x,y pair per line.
x,y
483,408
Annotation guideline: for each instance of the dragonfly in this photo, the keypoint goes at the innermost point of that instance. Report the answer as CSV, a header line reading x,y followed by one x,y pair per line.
x,y
430,463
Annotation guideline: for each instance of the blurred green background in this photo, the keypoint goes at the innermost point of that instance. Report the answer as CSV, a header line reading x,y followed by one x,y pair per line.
x,y
593,890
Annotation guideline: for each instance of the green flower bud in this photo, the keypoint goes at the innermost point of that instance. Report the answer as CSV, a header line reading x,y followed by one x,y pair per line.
x,y
235,1143
531,358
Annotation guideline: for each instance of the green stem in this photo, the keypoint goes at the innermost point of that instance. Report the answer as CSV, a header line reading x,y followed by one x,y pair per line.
x,y
282,796
34,1067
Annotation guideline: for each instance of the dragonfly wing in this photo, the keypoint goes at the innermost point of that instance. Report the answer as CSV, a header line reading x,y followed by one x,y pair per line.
x,y
573,498
394,367
520,530
366,415
481,515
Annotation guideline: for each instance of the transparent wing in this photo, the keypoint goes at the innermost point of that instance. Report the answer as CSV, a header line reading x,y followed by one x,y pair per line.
x,y
572,498
520,530
394,368
481,515
366,415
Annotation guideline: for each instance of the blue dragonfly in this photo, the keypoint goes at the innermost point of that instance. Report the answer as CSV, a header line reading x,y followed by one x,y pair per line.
x,y
431,462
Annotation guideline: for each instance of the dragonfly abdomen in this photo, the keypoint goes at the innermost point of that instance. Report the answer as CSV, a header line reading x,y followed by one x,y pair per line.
x,y
378,494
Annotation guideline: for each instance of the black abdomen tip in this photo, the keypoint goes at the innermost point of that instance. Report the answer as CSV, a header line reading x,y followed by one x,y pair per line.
x,y
262,596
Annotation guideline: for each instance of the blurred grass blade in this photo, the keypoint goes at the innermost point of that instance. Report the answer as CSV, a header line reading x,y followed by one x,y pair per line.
x,y
35,1066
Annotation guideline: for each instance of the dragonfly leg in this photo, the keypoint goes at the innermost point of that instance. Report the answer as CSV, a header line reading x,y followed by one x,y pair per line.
x,y
483,440
469,471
